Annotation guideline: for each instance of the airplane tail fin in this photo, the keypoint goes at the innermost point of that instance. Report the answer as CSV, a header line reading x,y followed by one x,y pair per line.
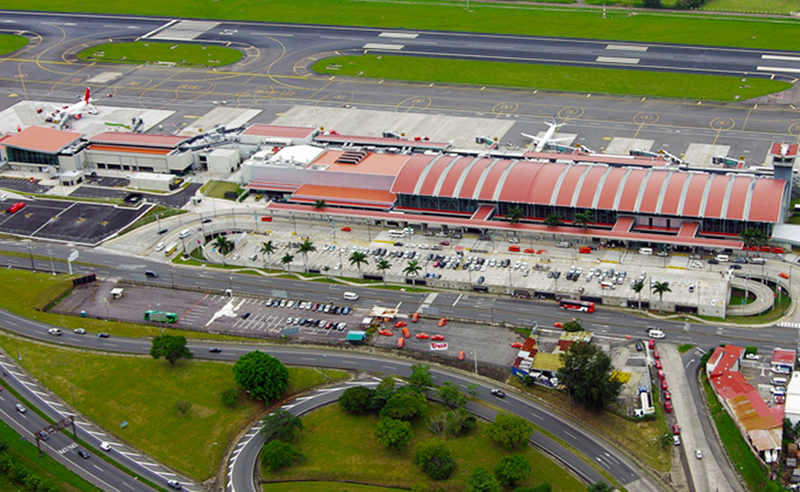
x,y
87,95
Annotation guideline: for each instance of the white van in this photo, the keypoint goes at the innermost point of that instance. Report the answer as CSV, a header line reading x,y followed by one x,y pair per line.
x,y
757,261
646,251
350,296
185,233
607,285
723,258
778,381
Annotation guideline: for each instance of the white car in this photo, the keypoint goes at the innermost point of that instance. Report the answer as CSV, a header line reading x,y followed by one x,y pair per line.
x,y
21,408
698,454
105,446
160,246
656,334
54,331
751,356
185,233
79,331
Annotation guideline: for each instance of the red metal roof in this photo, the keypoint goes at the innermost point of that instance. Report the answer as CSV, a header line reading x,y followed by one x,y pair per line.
x,y
630,194
670,205
624,224
693,197
569,184
42,139
738,197
610,189
406,179
473,178
129,150
715,199
138,140
783,356
652,191
280,131
765,205
492,179
453,175
590,186
385,142
689,229
791,149
434,173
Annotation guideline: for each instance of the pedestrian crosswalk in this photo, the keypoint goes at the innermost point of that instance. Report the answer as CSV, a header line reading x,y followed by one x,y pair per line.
x,y
790,324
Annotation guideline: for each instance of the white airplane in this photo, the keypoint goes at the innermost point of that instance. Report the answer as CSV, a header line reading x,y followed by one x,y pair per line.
x,y
63,114
547,138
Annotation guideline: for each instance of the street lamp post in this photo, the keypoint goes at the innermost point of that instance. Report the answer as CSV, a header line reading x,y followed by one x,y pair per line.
x,y
30,253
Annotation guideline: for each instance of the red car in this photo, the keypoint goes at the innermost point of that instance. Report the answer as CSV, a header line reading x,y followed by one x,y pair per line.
x,y
541,252
415,317
517,344
651,344
664,385
529,251
422,336
777,250
783,275
442,322
658,365
558,324
661,374
346,229
668,406
386,333
437,338
656,355
461,355
667,395
445,243
400,324
676,429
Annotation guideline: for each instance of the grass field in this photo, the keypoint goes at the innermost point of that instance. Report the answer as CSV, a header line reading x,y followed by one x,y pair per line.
x,y
732,441
776,6
25,452
155,52
324,487
217,189
11,42
548,77
111,389
341,446
643,26
639,438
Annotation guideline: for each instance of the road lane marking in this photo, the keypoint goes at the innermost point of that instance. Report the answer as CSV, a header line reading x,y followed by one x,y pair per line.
x,y
626,47
617,59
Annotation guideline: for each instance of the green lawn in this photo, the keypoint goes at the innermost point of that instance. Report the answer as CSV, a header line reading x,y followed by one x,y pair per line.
x,y
548,77
770,6
217,189
643,26
155,52
749,467
111,389
10,43
341,447
25,452
685,347
324,487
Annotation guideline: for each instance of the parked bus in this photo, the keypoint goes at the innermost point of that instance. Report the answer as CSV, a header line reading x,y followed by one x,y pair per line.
x,y
586,307
164,317
396,233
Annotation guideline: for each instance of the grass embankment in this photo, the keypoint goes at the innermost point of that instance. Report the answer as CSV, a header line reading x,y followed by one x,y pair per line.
x,y
755,476
340,446
762,6
638,437
111,389
11,42
156,52
507,18
153,215
326,487
25,453
550,78
782,305
685,347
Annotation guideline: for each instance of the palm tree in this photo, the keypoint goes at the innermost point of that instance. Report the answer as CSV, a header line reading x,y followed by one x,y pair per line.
x,y
637,287
411,270
760,237
287,258
583,219
660,288
382,266
223,245
358,258
319,205
552,220
267,248
306,247
515,215
327,269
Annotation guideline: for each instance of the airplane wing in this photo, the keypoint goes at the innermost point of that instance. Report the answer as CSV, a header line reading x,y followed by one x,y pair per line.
x,y
564,139
532,137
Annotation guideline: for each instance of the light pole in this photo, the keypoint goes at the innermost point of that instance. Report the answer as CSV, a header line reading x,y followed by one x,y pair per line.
x,y
475,354
30,252
52,265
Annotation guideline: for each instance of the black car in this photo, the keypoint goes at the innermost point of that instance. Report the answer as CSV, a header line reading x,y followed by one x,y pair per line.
x,y
103,335
639,346
206,221
215,350
83,454
245,315
498,393
713,261
163,231
481,279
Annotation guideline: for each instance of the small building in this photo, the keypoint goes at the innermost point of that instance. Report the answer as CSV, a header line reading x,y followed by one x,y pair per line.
x,y
724,359
277,135
567,338
783,360
153,182
356,337
139,152
223,162
793,400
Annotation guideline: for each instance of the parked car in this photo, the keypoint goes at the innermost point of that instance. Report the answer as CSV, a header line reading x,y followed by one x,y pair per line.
x,y
437,338
656,355
676,440
174,484
422,336
442,322
21,408
698,454
676,429
664,386
400,324
461,355
105,446
516,345
668,406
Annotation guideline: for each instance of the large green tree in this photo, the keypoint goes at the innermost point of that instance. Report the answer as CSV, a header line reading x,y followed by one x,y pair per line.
x,y
286,260
281,425
276,455
451,396
637,287
262,375
393,433
509,431
382,266
586,376
171,347
514,215
512,469
482,481
357,399
404,405
434,459
306,247
420,379
661,288
552,220
583,219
